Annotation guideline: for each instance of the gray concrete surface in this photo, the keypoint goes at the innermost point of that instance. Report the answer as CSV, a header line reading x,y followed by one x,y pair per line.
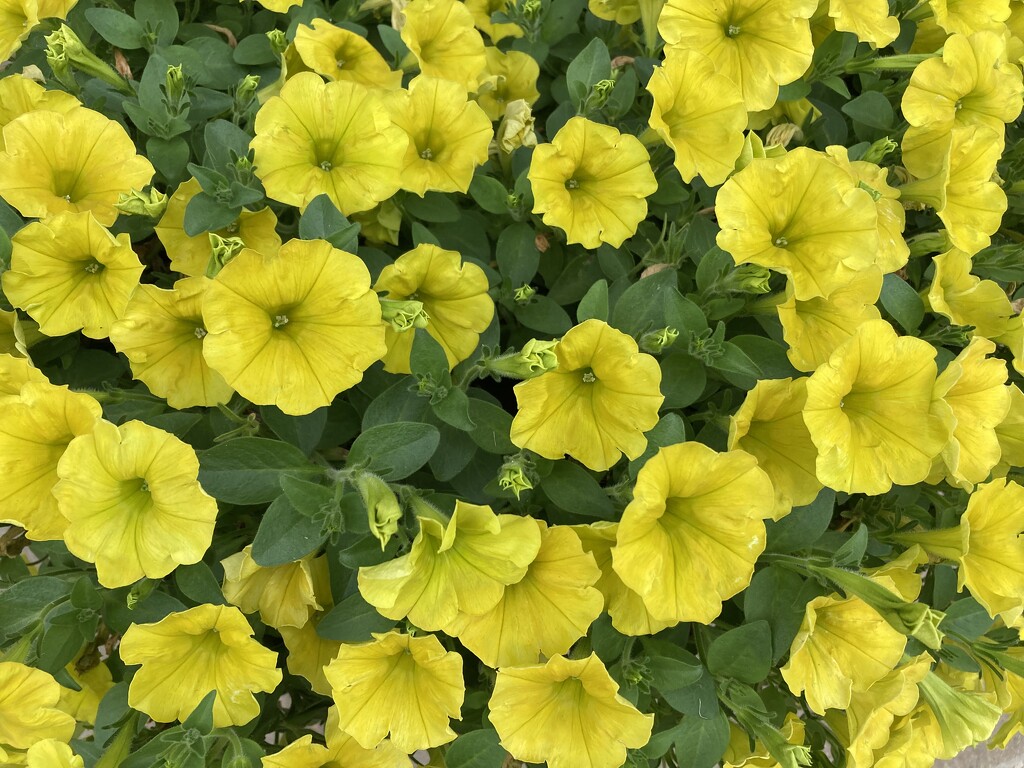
x,y
983,757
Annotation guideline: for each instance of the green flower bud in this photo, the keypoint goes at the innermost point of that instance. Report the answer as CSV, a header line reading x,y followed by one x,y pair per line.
x,y
246,89
176,88
65,50
657,341
536,357
750,278
515,475
382,507
523,294
135,203
877,151
278,41
404,315
222,250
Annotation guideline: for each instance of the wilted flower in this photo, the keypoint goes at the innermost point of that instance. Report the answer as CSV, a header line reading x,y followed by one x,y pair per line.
x,y
283,594
508,77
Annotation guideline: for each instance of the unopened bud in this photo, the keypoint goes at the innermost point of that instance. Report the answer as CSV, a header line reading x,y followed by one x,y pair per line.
x,y
404,315
657,341
382,508
535,358
222,250
135,203
877,151
515,475
278,41
516,128
65,50
523,294
245,91
781,135
176,87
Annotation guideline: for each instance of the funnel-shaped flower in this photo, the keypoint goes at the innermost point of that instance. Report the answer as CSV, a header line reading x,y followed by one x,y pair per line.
x,y
963,718
20,95
567,713
1010,431
954,171
308,652
463,566
545,612
966,299
770,426
965,17
592,182
869,20
68,272
448,135
333,139
454,296
508,77
341,750
626,608
815,328
758,45
973,400
17,20
596,405
295,328
406,686
161,333
94,680
699,113
133,503
697,517
191,255
972,84
869,411
843,646
188,654
28,707
442,36
283,594
79,161
341,54
35,430
800,214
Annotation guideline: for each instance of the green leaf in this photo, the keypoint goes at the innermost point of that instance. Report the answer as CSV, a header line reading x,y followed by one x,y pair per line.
x,y
902,302
735,360
202,716
594,303
198,583
476,749
307,498
352,620
204,213
493,425
778,597
395,451
323,221
161,17
285,535
25,602
802,526
517,255
573,489
545,315
590,66
852,551
117,28
641,307
454,410
872,109
966,617
304,432
433,207
683,380
671,667
743,653
701,742
489,193
168,155
248,470
427,358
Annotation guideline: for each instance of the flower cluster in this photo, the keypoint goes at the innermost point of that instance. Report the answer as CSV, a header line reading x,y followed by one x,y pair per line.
x,y
457,383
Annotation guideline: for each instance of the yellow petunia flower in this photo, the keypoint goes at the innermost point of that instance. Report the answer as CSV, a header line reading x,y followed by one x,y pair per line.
x,y
769,425
869,20
596,405
334,138
188,654
965,17
448,135
626,608
973,400
543,613
35,430
340,54
988,545
380,224
454,296
295,328
745,751
966,299
815,328
133,503
958,718
972,84
399,684
892,251
283,594
69,273
800,214
17,20
954,177
622,12
1010,432
52,753
869,411
95,680
697,517
308,652
507,77
497,31
45,168
567,713
19,95
462,566
843,646
191,255
13,340
161,333
758,44
280,6
14,373
699,113
442,36
867,722
592,182
28,708
341,750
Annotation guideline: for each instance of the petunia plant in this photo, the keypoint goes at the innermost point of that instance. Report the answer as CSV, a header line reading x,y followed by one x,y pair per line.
x,y
506,383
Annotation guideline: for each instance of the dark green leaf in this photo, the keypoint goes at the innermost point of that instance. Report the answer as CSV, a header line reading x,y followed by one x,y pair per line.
x,y
285,535
323,221
590,66
489,193
683,379
641,307
24,603
573,489
352,620
476,749
116,28
852,552
517,254
433,207
594,303
395,451
777,596
872,109
902,302
702,742
493,425
248,470
303,432
803,525
198,583
161,17
743,653
204,213
308,499
545,315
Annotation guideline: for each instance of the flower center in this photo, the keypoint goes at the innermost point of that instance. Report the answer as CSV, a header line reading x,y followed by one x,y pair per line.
x,y
959,105
326,165
780,242
144,487
572,184
340,63
280,321
93,267
200,332
732,30
427,154
588,377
